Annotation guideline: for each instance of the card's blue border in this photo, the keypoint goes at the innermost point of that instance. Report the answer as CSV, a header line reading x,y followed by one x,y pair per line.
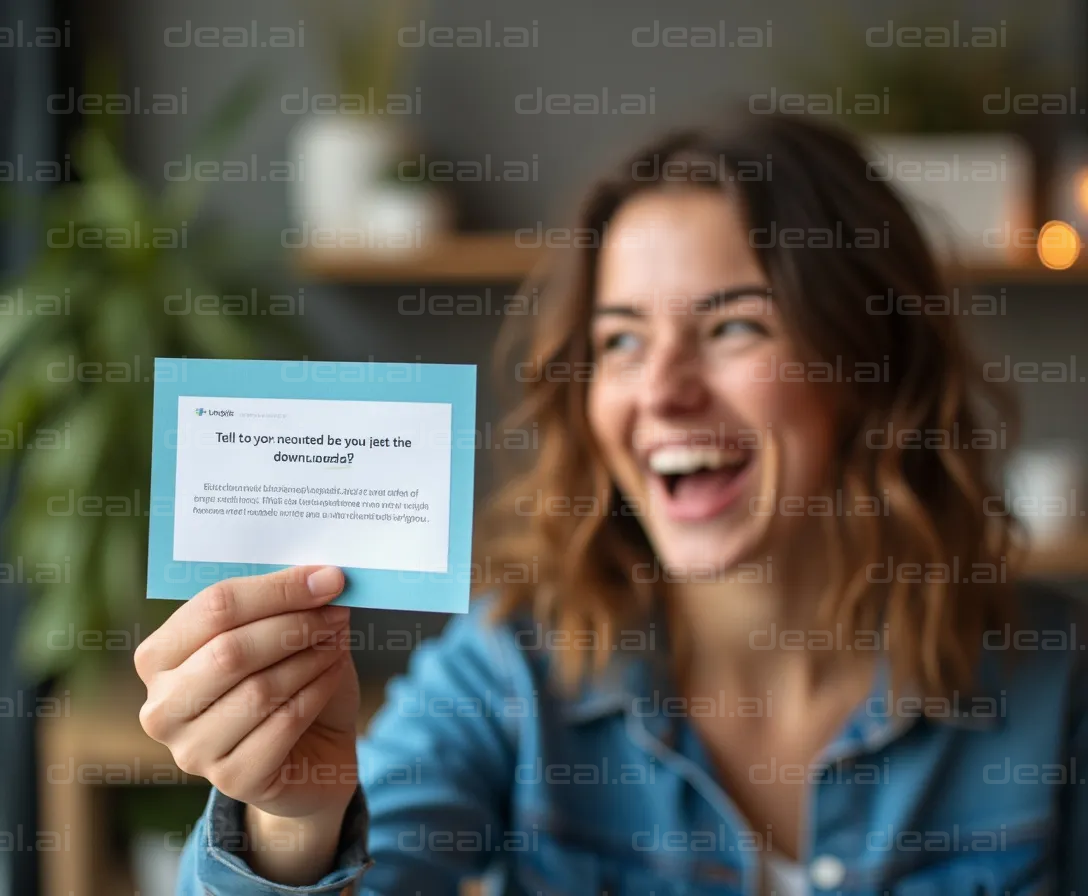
x,y
328,380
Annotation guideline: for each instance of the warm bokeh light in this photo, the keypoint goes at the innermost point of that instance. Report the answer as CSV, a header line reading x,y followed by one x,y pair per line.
x,y
1082,190
1059,245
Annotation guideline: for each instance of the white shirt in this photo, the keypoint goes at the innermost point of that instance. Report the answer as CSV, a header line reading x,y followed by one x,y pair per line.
x,y
783,877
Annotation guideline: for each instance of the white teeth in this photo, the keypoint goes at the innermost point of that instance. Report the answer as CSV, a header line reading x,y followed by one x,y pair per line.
x,y
681,460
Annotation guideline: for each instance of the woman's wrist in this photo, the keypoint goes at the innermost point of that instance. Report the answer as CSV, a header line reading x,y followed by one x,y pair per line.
x,y
294,851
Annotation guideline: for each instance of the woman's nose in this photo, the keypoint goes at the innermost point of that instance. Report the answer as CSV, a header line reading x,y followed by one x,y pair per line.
x,y
675,383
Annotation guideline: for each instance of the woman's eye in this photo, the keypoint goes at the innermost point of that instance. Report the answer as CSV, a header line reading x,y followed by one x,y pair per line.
x,y
620,342
738,327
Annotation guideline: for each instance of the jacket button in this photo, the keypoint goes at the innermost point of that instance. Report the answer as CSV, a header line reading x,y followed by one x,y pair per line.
x,y
827,872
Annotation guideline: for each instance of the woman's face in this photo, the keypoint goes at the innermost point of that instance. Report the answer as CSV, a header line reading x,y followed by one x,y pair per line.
x,y
688,403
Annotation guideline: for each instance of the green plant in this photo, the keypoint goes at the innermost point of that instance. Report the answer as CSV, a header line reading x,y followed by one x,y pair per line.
x,y
79,332
364,43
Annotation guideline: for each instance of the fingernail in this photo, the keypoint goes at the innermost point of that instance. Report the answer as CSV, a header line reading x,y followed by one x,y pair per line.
x,y
335,615
326,582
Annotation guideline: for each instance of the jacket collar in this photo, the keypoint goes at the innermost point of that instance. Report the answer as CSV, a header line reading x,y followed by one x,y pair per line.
x,y
639,683
883,716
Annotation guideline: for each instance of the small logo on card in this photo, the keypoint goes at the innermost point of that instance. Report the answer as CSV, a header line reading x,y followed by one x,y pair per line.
x,y
213,412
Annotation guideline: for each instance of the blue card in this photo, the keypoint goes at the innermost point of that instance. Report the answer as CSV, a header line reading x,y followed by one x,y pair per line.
x,y
258,465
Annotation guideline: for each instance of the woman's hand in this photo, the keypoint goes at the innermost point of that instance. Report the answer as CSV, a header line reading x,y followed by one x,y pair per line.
x,y
250,684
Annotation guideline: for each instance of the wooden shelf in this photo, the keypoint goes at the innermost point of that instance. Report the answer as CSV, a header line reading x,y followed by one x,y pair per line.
x,y
1028,272
494,256
467,257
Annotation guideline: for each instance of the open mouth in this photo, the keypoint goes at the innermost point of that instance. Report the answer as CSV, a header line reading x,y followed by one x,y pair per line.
x,y
698,483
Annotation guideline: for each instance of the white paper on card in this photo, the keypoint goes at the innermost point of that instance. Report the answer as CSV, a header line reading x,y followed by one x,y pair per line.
x,y
250,489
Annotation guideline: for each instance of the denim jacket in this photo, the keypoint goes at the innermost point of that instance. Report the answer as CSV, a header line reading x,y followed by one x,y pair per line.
x,y
477,764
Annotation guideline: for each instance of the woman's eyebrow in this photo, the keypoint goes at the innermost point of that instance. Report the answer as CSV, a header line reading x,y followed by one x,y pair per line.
x,y
700,306
725,296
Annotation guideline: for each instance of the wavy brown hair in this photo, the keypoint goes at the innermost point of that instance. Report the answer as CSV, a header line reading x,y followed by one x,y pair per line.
x,y
585,540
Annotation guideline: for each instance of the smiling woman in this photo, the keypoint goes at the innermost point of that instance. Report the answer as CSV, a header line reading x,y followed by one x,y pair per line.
x,y
732,414
757,641
727,374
